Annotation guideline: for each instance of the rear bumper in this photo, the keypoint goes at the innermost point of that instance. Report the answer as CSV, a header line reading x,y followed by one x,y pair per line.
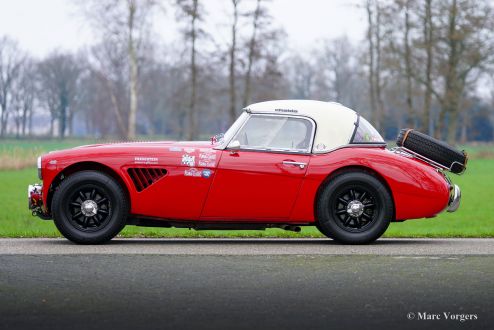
x,y
35,200
454,199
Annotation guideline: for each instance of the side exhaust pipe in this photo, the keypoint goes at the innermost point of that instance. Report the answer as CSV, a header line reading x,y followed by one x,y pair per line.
x,y
291,228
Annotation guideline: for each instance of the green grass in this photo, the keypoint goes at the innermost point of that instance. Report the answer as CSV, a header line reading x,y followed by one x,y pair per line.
x,y
475,218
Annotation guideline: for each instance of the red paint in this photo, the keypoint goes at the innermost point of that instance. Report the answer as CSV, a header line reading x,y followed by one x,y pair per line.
x,y
248,185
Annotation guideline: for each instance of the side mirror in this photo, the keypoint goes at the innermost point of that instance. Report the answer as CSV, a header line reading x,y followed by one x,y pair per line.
x,y
234,145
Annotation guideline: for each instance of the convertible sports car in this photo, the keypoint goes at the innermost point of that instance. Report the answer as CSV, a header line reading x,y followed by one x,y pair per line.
x,y
282,164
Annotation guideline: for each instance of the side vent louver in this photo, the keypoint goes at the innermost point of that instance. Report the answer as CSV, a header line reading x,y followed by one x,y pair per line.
x,y
144,177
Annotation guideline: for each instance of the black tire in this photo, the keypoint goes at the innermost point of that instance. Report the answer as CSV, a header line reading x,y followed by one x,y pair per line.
x,y
82,194
434,149
358,189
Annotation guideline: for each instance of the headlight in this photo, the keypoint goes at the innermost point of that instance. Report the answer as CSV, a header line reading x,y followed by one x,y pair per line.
x,y
39,168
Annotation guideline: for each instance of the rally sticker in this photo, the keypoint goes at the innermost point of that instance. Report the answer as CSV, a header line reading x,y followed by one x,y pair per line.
x,y
189,150
188,160
206,173
207,156
192,172
206,163
175,149
145,160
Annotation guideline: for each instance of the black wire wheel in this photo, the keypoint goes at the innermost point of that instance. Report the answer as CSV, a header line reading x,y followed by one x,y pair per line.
x,y
354,208
89,207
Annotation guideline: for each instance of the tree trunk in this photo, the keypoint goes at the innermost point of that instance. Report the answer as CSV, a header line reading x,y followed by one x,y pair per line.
x,y
131,131
192,132
428,33
250,57
25,111
30,122
411,120
232,78
453,87
52,126
380,102
370,39
63,114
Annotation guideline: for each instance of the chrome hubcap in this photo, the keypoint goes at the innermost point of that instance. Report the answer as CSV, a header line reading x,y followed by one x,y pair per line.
x,y
355,208
89,208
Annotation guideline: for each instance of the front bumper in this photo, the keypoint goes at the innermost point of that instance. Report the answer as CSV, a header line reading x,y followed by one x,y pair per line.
x,y
35,200
454,199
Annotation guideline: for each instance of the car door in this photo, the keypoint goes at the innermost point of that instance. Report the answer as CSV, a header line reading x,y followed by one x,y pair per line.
x,y
261,170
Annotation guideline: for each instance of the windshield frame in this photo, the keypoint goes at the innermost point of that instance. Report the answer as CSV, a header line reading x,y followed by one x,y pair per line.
x,y
225,143
232,131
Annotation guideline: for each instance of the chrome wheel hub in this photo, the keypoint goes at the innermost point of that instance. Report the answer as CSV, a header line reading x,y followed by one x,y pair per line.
x,y
89,208
355,208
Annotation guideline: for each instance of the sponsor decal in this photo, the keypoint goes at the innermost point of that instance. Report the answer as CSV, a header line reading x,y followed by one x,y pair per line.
x,y
320,146
188,160
207,156
194,172
189,150
176,149
206,173
206,150
206,163
146,160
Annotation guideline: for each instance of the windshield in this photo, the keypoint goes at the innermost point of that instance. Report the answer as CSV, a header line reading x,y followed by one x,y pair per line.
x,y
232,130
366,133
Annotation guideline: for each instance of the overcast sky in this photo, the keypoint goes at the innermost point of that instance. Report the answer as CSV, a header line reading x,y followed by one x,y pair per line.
x,y
43,25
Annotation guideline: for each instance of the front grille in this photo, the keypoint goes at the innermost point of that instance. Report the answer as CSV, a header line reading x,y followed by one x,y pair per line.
x,y
145,177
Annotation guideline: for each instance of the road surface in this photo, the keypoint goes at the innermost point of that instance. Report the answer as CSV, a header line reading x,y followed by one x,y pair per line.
x,y
246,284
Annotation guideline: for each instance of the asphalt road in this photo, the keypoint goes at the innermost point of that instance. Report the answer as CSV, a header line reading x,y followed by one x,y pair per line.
x,y
245,284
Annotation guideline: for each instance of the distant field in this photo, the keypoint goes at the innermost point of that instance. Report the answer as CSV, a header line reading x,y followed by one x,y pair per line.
x,y
475,218
19,154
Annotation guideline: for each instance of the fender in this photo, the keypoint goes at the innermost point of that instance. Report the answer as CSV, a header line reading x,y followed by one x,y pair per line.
x,y
418,190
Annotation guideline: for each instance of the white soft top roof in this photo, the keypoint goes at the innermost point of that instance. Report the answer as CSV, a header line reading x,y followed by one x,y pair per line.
x,y
335,122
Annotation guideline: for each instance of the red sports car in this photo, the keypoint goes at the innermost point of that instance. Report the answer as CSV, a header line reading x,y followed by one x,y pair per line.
x,y
282,164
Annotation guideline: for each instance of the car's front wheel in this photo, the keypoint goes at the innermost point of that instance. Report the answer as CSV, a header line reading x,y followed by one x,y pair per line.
x,y
354,208
89,207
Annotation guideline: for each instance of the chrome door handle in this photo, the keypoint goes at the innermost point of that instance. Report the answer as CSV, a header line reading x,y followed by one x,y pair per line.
x,y
299,164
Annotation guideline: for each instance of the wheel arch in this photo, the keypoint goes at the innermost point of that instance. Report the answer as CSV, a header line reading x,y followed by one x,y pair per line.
x,y
353,168
86,166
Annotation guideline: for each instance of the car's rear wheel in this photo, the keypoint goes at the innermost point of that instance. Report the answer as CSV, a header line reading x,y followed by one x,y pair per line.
x,y
354,208
89,207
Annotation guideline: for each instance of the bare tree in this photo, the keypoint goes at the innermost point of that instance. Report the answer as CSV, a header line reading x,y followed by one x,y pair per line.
x,y
371,53
124,23
463,46
428,32
11,61
23,96
59,77
337,69
192,11
412,121
233,59
256,17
